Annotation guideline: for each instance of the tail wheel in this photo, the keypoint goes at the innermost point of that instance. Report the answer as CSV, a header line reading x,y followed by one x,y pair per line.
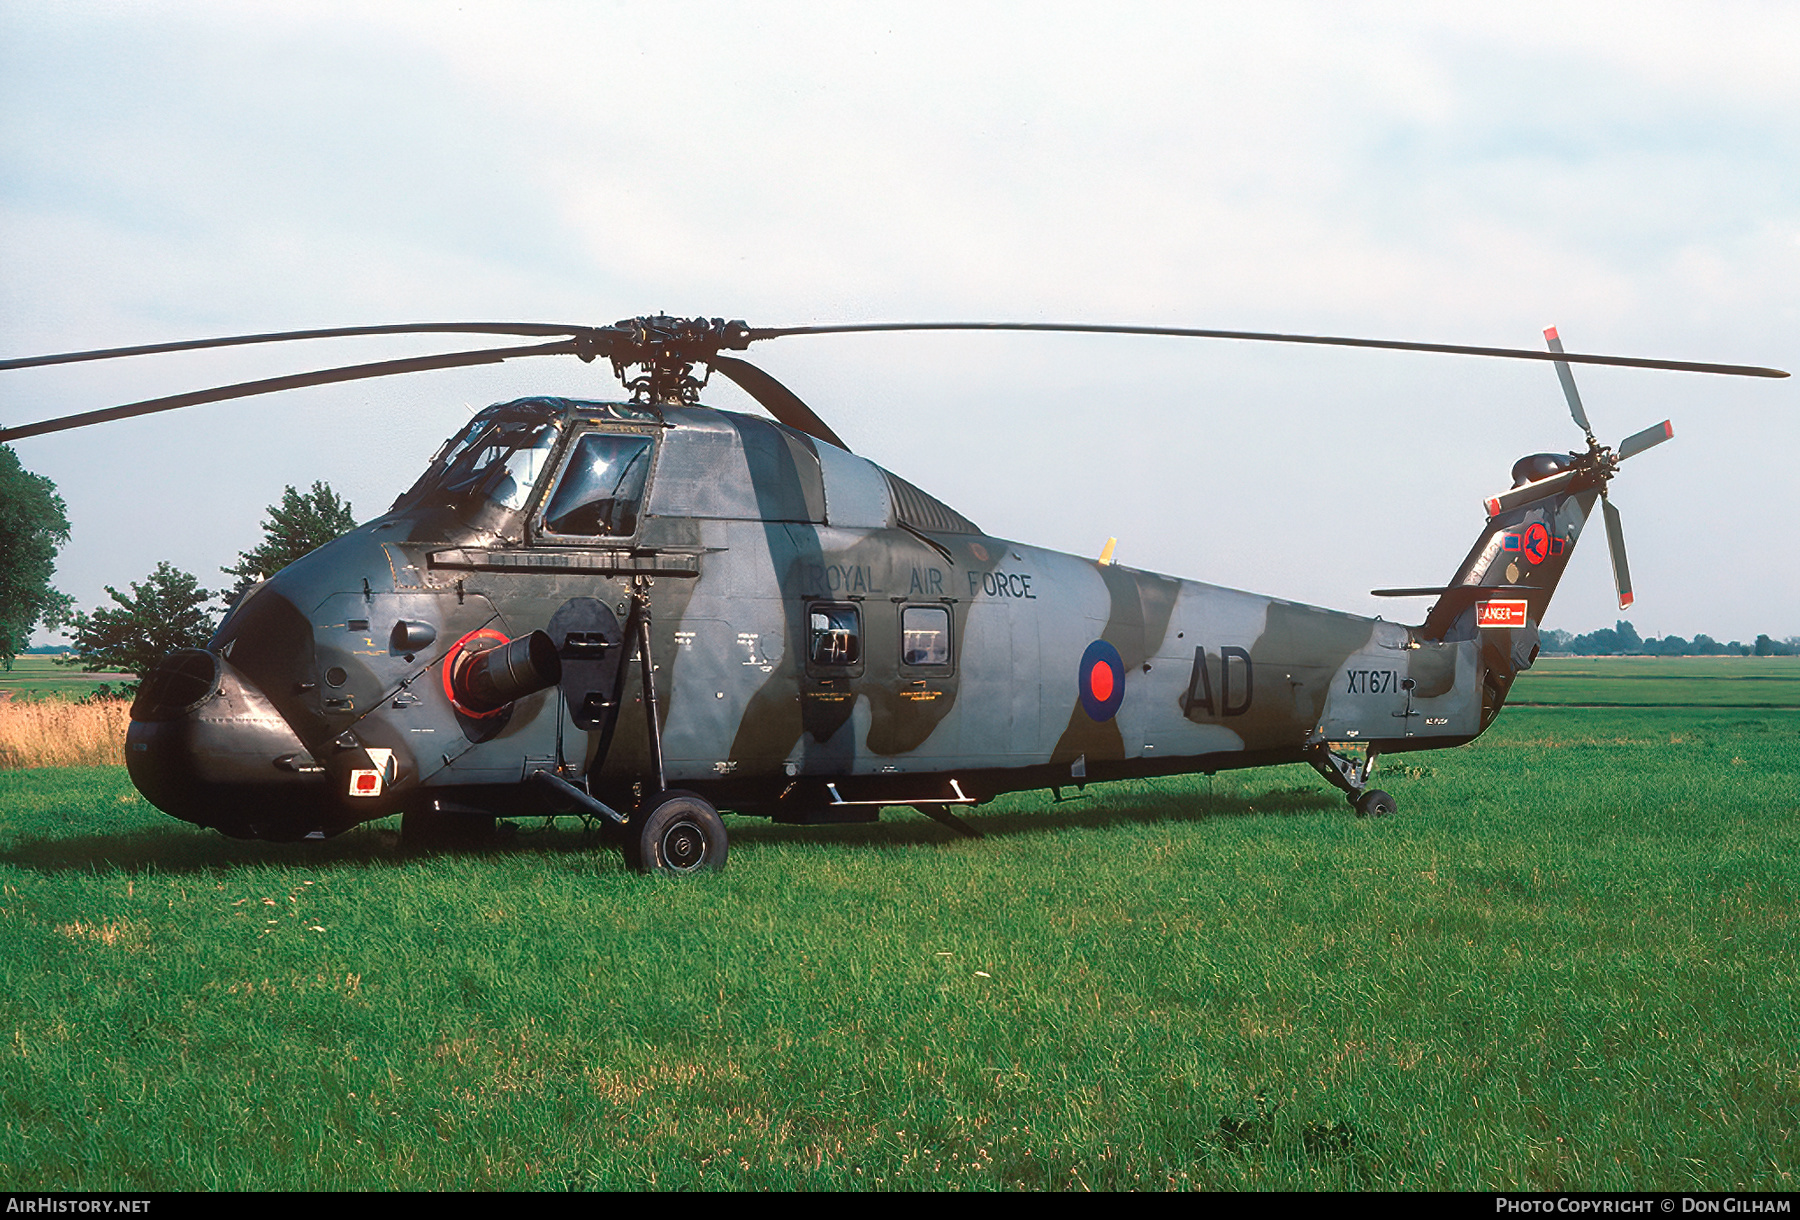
x,y
680,833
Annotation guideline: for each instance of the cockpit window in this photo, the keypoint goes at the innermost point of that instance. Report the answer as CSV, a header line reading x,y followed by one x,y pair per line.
x,y
501,464
497,459
602,486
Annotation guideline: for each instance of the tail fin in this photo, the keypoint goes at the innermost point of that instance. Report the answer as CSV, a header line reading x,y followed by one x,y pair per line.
x,y
1502,590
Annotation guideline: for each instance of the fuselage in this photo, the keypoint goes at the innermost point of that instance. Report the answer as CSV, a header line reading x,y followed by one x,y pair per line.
x,y
823,634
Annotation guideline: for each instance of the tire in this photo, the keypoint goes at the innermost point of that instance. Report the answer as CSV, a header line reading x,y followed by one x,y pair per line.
x,y
679,834
1375,804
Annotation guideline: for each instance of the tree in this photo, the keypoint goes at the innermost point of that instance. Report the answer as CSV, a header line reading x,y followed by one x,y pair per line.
x,y
33,527
299,524
166,612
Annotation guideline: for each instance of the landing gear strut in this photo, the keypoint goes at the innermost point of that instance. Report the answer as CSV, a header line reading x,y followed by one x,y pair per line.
x,y
672,831
1350,775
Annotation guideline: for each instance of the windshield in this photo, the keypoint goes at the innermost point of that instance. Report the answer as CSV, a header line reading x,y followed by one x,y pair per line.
x,y
501,464
497,459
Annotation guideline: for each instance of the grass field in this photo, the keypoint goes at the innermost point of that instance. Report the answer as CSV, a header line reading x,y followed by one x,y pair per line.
x,y
37,676
1661,682
1569,962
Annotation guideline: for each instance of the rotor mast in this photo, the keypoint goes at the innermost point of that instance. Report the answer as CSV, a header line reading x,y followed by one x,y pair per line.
x,y
666,350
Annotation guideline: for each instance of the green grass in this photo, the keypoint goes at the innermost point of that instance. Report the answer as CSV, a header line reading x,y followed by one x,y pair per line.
x,y
1569,962
38,676
1661,682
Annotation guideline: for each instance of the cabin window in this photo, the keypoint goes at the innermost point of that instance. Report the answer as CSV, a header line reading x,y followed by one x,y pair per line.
x,y
602,486
836,635
925,636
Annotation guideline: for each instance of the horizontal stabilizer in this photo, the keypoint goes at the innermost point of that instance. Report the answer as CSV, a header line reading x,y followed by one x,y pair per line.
x,y
1440,590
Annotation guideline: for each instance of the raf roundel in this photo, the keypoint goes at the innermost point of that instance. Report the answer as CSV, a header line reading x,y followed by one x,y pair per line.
x,y
1102,680
1537,542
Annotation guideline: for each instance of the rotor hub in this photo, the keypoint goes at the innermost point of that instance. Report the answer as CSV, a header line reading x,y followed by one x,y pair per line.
x,y
665,351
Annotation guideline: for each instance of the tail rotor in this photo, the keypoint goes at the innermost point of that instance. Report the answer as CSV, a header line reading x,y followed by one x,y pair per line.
x,y
1601,463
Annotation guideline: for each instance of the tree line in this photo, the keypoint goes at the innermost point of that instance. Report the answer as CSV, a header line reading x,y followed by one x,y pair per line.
x,y
1622,639
167,610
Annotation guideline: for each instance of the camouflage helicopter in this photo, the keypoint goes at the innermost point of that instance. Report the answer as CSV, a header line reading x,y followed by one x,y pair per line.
x,y
644,611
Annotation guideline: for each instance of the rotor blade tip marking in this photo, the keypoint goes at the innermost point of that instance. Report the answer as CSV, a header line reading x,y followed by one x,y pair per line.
x,y
1550,332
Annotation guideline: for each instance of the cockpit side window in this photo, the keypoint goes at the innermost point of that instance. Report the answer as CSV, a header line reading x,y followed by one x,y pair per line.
x,y
496,460
503,464
602,486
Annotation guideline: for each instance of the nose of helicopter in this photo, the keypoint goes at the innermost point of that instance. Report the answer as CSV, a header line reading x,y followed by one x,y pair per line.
x,y
207,746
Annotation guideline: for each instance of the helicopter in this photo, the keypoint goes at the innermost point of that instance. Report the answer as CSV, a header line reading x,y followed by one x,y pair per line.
x,y
641,612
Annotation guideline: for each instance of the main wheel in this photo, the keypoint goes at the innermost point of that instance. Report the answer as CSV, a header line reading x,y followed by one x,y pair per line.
x,y
1375,804
680,833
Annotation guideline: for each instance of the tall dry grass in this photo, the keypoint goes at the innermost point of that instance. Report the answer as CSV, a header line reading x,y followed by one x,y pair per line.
x,y
58,733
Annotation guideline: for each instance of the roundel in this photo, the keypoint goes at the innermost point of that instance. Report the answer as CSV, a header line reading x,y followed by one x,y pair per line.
x,y
1537,542
1102,680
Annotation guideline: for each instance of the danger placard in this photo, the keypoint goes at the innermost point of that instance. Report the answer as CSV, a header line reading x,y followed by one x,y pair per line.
x,y
1500,614
365,781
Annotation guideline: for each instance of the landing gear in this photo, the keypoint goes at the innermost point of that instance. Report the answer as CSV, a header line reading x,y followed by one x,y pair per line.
x,y
1350,775
677,832
673,831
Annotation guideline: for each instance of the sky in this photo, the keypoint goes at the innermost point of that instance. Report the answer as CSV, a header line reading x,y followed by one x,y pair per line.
x,y
1629,173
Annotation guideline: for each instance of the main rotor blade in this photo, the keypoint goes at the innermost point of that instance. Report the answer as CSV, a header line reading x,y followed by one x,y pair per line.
x,y
1568,384
777,399
1510,353
1637,442
336,332
1615,540
246,389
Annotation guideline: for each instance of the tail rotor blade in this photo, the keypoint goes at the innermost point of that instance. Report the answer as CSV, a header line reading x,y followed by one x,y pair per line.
x,y
1537,490
1568,384
1637,442
1615,540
